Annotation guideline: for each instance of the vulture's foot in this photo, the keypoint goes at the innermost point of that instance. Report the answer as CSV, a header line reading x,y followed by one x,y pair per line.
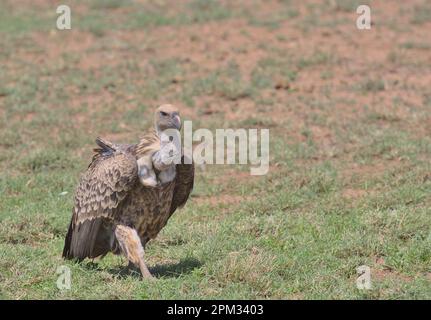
x,y
132,248
132,268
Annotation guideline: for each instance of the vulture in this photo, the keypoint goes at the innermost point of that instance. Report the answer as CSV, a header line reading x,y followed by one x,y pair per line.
x,y
115,208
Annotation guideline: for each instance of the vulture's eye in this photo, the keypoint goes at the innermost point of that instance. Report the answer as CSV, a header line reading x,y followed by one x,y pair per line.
x,y
163,113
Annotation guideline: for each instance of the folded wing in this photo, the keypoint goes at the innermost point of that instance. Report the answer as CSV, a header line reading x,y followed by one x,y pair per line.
x,y
184,180
107,181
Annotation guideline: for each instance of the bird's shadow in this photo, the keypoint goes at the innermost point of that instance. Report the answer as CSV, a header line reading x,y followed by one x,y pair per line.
x,y
174,270
171,270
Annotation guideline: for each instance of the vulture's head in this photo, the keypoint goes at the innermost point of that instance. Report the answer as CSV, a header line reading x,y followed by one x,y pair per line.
x,y
166,117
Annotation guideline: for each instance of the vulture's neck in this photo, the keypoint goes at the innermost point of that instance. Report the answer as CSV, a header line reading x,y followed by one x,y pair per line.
x,y
150,142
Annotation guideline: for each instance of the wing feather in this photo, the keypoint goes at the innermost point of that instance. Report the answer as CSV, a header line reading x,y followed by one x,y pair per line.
x,y
106,183
184,180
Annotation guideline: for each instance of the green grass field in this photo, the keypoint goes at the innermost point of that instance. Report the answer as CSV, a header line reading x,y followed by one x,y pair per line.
x,y
350,144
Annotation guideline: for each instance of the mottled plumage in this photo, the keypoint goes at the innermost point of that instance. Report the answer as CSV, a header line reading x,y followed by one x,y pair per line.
x,y
114,211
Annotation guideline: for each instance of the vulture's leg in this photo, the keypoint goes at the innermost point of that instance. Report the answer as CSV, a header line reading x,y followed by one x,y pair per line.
x,y
131,246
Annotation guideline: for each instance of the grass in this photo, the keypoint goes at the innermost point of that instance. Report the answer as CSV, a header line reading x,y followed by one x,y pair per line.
x,y
421,14
372,85
349,182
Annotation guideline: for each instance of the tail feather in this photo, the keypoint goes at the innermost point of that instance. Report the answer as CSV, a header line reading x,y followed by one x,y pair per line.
x,y
67,243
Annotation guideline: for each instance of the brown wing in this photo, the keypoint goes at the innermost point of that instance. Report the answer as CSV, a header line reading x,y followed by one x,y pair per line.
x,y
185,175
103,186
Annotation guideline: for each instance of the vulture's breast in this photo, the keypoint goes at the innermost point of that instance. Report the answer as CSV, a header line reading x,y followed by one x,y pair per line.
x,y
147,209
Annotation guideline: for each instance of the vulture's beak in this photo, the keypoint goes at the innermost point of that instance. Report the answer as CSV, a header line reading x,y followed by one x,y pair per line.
x,y
177,122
